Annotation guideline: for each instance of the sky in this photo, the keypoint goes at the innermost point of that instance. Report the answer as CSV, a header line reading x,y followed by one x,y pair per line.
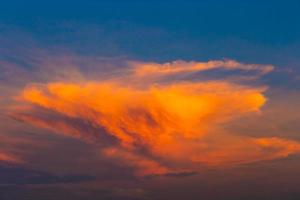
x,y
149,100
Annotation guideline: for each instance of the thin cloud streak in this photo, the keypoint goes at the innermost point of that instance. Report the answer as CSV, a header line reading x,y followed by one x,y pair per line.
x,y
180,66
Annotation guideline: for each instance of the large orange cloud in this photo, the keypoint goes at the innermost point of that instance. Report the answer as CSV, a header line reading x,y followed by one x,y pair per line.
x,y
163,126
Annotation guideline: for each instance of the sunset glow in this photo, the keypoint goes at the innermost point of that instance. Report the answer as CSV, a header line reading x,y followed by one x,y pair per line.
x,y
175,122
149,100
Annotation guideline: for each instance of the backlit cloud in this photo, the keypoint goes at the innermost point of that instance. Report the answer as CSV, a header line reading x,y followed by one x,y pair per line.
x,y
157,126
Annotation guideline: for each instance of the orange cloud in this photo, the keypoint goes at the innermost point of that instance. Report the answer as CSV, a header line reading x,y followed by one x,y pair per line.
x,y
186,108
162,127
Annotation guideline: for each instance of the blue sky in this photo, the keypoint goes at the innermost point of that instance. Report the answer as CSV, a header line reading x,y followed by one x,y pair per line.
x,y
163,30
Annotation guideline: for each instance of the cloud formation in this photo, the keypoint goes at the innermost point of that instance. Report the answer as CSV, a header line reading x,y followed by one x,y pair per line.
x,y
158,126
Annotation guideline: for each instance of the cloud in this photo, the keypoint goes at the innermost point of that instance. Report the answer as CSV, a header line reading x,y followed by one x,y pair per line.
x,y
8,158
62,124
8,149
180,66
157,126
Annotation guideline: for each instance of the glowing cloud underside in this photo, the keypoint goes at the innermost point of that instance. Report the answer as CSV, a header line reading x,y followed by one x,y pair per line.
x,y
8,158
163,127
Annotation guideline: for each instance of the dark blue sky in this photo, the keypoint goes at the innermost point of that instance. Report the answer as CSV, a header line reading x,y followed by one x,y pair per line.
x,y
260,31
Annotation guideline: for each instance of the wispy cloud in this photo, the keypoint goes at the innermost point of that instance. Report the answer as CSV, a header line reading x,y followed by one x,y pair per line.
x,y
180,66
6,157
